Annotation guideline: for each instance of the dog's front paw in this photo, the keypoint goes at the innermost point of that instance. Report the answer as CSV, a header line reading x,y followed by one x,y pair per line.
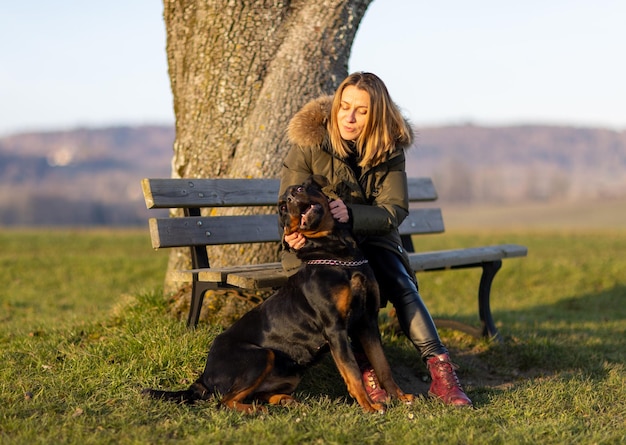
x,y
379,408
407,398
282,400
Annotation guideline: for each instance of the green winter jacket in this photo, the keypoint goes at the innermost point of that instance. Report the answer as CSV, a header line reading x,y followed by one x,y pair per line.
x,y
377,200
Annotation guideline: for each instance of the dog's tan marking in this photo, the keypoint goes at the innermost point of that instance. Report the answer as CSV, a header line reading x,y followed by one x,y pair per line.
x,y
234,399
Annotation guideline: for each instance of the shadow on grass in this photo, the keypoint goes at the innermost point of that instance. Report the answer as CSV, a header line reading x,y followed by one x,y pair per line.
x,y
578,333
578,336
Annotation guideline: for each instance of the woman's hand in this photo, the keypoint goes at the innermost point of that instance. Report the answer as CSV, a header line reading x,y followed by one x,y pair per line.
x,y
339,211
295,240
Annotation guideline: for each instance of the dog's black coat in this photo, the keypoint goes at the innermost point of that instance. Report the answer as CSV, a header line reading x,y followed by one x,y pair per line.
x,y
263,356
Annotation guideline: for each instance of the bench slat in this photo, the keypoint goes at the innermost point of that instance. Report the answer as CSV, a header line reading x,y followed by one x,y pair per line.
x,y
190,193
421,221
421,189
195,193
213,230
446,259
259,279
220,274
262,276
238,229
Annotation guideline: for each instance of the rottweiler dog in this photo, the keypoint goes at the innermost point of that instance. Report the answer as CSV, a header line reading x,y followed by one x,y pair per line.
x,y
332,298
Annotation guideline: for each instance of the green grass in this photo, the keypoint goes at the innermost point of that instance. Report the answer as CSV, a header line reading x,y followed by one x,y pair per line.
x,y
67,275
84,328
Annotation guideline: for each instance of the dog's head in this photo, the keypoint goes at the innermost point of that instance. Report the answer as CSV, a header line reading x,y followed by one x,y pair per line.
x,y
304,208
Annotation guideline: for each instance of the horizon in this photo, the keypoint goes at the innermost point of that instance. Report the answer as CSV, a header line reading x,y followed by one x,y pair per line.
x,y
107,126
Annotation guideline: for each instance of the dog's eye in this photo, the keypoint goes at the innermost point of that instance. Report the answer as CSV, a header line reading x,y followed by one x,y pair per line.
x,y
299,188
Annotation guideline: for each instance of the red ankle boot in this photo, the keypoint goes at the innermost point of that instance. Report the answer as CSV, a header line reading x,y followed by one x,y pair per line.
x,y
446,386
372,386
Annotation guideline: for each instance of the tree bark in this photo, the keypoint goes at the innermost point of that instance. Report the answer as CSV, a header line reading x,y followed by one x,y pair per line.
x,y
239,69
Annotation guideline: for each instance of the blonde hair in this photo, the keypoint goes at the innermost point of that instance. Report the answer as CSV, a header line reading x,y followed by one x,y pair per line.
x,y
385,129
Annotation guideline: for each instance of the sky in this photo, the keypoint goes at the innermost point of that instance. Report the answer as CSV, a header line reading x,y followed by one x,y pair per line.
x,y
74,63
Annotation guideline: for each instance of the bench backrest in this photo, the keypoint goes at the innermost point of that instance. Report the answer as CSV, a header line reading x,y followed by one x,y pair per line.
x,y
195,230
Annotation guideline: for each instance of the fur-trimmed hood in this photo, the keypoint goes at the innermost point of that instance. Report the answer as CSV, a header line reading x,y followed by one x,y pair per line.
x,y
307,127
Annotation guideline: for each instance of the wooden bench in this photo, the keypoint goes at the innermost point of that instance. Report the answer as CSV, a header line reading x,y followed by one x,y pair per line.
x,y
196,232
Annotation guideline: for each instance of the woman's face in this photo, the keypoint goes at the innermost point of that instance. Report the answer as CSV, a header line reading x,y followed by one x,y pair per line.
x,y
353,112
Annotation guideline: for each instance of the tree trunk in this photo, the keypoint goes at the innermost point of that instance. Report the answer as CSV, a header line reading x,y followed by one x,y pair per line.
x,y
239,69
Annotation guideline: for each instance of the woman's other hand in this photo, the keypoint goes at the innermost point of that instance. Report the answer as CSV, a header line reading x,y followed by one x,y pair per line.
x,y
339,210
295,240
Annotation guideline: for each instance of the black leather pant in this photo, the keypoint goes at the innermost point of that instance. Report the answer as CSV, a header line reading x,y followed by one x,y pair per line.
x,y
401,289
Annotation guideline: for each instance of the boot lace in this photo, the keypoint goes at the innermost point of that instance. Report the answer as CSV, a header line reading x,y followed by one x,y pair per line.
x,y
372,380
445,371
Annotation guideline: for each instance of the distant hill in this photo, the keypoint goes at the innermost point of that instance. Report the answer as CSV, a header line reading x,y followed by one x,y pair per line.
x,y
81,177
521,163
91,176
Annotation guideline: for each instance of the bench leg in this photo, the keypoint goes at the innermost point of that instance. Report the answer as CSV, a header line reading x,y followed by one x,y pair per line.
x,y
484,290
197,297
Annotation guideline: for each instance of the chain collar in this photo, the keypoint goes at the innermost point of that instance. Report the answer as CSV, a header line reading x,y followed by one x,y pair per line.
x,y
338,263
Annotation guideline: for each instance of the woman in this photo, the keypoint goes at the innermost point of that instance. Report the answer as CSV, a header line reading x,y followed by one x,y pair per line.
x,y
357,139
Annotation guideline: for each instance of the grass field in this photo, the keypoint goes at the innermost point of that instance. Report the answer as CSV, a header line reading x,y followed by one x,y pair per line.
x,y
84,328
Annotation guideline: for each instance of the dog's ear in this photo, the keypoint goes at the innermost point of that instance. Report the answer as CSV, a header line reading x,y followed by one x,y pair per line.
x,y
317,180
